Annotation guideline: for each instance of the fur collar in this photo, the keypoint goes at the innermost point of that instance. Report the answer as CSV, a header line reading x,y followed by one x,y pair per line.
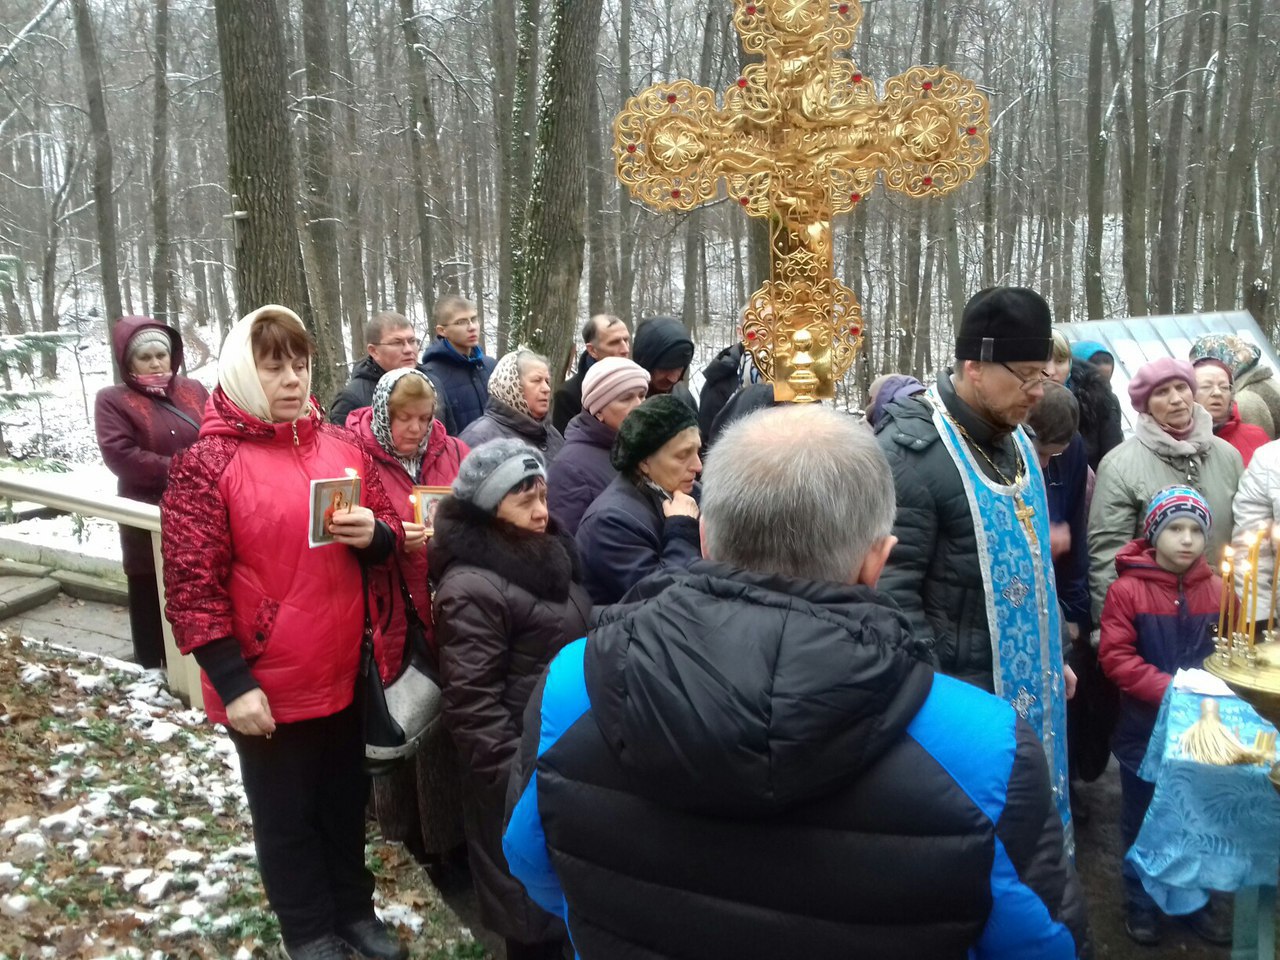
x,y
544,564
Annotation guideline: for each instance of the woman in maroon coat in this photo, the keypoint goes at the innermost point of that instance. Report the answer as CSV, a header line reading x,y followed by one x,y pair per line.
x,y
141,424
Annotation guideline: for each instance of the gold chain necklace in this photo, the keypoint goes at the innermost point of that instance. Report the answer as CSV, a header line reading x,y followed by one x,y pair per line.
x,y
1022,510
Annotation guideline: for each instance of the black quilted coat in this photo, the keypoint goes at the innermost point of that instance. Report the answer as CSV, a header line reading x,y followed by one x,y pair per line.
x,y
934,572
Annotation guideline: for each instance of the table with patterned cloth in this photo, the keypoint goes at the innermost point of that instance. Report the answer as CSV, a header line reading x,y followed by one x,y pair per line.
x,y
1208,827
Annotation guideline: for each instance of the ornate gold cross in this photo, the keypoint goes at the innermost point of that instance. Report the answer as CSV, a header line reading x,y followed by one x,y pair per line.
x,y
1024,512
801,136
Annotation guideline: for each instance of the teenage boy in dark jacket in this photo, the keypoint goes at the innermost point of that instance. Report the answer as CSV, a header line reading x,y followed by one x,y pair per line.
x,y
758,761
456,364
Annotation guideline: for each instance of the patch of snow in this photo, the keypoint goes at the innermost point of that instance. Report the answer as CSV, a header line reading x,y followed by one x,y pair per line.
x,y
71,749
80,851
145,806
155,889
136,878
62,826
183,858
14,906
161,731
244,851
192,824
27,847
15,826
109,872
9,876
33,673
399,915
53,789
184,927
88,682
91,772
213,893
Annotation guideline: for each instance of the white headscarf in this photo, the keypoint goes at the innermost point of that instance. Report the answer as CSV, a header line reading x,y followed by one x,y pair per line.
x,y
237,369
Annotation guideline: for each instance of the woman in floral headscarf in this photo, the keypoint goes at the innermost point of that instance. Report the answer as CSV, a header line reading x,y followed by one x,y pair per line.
x,y
420,803
1256,393
519,404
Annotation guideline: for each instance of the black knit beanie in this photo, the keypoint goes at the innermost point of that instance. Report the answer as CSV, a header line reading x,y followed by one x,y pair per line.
x,y
647,428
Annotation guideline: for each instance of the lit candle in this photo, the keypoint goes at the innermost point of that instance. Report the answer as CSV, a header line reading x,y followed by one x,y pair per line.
x,y
413,507
354,475
1253,595
1227,588
1275,578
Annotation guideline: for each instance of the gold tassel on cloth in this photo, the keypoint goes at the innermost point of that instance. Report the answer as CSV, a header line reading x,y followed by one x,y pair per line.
x,y
1208,741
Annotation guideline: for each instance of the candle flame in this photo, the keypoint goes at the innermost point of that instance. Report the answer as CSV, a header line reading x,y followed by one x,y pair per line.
x,y
1227,553
1226,567
412,500
352,472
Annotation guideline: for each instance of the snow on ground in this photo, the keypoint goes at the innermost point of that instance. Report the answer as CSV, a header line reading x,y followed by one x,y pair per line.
x,y
124,830
84,535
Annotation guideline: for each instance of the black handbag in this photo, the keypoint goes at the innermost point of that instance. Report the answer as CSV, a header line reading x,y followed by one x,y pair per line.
x,y
401,713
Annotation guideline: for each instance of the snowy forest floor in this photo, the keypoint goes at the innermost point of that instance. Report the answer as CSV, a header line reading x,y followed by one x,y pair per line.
x,y
124,830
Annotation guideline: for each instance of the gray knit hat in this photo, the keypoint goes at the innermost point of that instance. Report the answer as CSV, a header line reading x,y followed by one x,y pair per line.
x,y
492,470
145,338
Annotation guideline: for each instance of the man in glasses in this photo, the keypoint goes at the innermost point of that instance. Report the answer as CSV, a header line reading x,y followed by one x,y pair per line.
x,y
392,343
456,364
973,566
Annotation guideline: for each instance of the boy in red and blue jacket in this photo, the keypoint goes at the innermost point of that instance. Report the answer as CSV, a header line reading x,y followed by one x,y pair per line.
x,y
1159,617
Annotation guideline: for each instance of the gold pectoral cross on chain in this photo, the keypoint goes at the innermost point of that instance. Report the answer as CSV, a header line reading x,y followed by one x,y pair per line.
x,y
1025,512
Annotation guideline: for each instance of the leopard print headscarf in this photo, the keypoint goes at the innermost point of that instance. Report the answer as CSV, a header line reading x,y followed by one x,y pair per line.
x,y
504,384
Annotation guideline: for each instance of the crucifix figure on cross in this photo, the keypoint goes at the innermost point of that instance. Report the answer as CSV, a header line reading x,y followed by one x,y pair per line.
x,y
801,136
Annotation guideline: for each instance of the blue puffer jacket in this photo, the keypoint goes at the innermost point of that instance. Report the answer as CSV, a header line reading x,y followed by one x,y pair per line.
x,y
581,471
464,380
623,537
1153,623
752,766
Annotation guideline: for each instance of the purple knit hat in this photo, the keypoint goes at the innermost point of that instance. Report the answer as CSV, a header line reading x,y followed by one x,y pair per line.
x,y
1152,375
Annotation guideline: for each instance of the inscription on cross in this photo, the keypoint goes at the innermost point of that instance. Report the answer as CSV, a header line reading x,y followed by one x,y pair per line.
x,y
801,136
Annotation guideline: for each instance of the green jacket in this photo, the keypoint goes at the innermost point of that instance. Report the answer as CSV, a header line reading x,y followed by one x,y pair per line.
x,y
1140,467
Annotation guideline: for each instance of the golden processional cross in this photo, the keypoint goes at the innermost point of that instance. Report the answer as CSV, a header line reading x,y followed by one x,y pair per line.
x,y
801,136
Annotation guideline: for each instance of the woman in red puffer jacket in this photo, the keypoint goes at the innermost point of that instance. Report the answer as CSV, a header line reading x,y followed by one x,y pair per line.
x,y
420,803
275,625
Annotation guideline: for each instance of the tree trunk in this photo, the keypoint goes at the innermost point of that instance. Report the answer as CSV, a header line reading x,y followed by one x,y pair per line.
x,y
694,222
103,201
475,225
557,207
163,277
626,221
1165,258
445,248
260,168
49,268
355,297
502,49
1096,184
1239,163
597,258
1136,197
318,175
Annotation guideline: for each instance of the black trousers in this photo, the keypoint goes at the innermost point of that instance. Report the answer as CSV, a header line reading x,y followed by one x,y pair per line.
x,y
307,792
144,621
1135,798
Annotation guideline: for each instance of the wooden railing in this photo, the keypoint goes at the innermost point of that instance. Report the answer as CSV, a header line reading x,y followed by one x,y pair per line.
x,y
60,491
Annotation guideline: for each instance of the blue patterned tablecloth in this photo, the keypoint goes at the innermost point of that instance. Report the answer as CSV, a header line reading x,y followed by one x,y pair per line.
x,y
1208,828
